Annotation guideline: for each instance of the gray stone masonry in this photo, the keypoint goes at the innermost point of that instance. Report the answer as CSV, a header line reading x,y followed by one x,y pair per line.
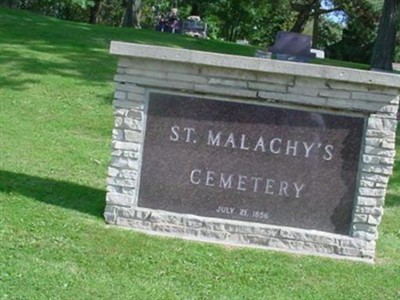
x,y
142,69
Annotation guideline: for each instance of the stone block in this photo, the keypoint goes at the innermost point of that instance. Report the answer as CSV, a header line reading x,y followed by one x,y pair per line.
x,y
128,174
137,99
146,73
116,153
303,99
367,254
122,162
378,169
360,218
389,110
382,124
113,172
381,185
121,182
118,135
135,114
209,71
387,161
284,80
227,82
130,88
118,199
308,82
357,244
375,177
368,201
388,145
121,70
151,82
257,239
371,159
114,189
216,90
372,192
376,211
299,90
109,214
346,86
195,223
357,227
187,77
120,95
374,220
277,243
131,123
380,133
372,97
215,235
334,94
214,226
231,228
131,191
133,136
367,236
379,151
120,112
265,86
123,104
350,252
349,104
131,154
125,146
367,183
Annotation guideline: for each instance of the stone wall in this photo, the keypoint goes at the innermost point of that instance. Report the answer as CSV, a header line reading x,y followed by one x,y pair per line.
x,y
142,69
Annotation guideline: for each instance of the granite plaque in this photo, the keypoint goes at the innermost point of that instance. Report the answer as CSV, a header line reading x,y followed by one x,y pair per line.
x,y
250,162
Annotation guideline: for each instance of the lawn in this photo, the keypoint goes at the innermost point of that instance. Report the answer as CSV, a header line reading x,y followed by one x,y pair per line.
x,y
55,130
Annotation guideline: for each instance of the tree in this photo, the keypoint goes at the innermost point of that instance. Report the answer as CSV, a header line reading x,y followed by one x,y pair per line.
x,y
132,14
95,11
304,9
361,19
385,43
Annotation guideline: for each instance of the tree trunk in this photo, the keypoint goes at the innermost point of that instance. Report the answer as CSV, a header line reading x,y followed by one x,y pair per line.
x,y
132,14
303,16
127,19
136,12
385,43
317,14
95,12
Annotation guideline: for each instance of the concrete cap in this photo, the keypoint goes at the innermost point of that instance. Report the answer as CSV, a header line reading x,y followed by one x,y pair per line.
x,y
254,64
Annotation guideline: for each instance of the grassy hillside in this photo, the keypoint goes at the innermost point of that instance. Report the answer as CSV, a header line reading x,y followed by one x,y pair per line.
x,y
55,129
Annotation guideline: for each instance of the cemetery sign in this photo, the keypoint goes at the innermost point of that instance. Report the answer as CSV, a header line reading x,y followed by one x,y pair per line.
x,y
248,151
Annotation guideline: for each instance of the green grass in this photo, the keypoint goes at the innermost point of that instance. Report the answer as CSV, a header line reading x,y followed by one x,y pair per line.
x,y
55,129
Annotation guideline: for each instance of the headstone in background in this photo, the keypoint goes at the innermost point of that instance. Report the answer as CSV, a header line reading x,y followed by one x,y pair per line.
x,y
292,46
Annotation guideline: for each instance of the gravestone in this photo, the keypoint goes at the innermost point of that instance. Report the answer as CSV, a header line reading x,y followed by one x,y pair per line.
x,y
254,152
292,46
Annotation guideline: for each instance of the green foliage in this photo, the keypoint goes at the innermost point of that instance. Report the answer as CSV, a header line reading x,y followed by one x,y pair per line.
x,y
358,37
55,128
111,12
329,32
68,9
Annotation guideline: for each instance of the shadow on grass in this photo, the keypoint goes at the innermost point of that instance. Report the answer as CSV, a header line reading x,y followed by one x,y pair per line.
x,y
61,193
